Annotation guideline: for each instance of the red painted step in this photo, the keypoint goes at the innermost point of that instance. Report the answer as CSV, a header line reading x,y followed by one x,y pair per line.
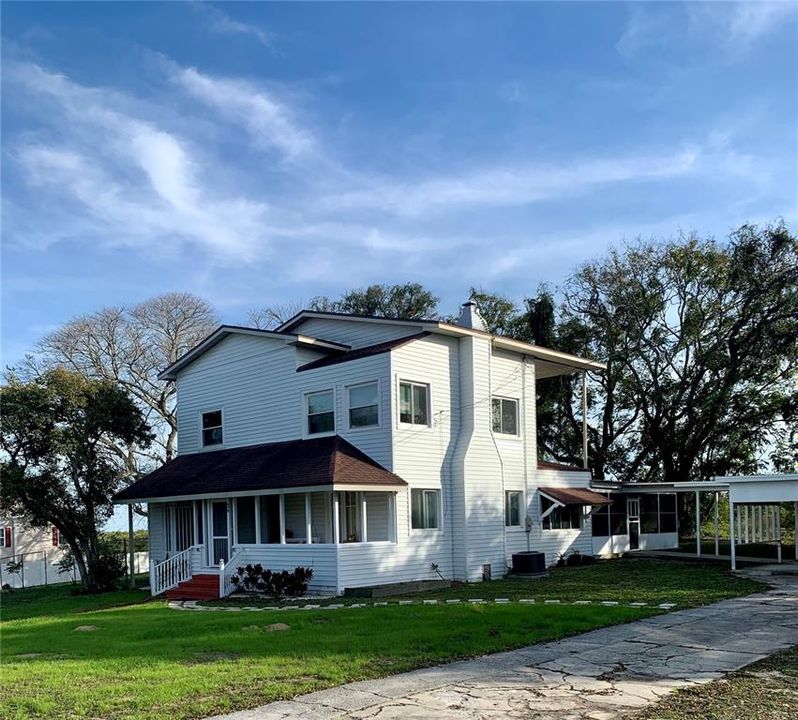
x,y
200,587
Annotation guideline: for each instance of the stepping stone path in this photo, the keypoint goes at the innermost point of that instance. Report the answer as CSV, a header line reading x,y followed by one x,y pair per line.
x,y
601,675
85,628
277,627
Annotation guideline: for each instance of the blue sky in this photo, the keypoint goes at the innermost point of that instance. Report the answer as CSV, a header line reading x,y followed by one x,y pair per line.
x,y
257,154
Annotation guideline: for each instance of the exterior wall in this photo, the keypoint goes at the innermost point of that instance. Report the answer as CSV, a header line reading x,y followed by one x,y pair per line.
x,y
555,543
648,541
321,558
254,381
155,531
34,546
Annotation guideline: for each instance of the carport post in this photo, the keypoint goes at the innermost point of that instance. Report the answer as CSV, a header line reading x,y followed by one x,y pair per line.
x,y
697,523
717,544
795,508
731,532
777,520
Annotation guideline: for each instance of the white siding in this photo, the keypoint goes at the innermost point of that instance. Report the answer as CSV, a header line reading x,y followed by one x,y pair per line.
x,y
155,531
320,558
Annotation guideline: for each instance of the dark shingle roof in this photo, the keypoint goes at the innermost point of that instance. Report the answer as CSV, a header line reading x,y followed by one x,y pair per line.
x,y
330,461
362,352
575,496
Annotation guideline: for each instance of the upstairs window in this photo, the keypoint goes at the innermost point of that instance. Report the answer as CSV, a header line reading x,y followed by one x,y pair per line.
x,y
364,405
512,508
56,537
321,412
505,416
413,403
424,509
212,428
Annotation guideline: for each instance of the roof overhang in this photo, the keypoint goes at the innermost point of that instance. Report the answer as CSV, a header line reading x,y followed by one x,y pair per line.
x,y
573,496
548,363
223,331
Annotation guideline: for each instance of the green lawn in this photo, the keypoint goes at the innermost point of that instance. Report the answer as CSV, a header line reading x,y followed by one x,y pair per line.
x,y
147,661
685,583
58,599
765,690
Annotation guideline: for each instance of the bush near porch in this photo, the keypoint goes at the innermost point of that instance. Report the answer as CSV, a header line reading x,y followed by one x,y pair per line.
x,y
146,661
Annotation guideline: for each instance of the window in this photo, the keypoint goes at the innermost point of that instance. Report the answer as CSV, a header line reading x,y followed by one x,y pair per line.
x,y
269,519
561,518
424,509
5,537
413,403
610,519
349,518
364,405
649,514
321,412
245,520
505,416
512,508
56,539
667,513
212,428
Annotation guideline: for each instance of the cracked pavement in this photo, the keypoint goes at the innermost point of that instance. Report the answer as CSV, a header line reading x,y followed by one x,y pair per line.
x,y
600,675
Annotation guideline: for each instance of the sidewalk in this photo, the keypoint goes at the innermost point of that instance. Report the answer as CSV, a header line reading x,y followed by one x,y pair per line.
x,y
600,675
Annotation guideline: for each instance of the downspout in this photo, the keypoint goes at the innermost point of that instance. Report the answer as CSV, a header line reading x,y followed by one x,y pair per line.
x,y
501,462
527,526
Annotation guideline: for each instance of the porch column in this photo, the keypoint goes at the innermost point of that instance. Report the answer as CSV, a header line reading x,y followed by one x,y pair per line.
x,y
584,420
697,523
336,520
746,513
731,534
777,530
282,519
795,511
363,521
131,548
308,517
717,542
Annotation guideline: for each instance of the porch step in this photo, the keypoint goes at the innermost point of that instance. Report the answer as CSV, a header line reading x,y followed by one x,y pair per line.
x,y
200,587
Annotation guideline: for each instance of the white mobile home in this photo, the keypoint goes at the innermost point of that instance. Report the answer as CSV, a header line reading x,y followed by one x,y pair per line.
x,y
371,450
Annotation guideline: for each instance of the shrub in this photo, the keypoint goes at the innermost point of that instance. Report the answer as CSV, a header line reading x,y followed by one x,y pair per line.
x,y
105,572
255,578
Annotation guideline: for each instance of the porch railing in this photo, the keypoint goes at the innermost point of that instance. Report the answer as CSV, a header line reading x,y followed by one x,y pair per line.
x,y
172,571
226,572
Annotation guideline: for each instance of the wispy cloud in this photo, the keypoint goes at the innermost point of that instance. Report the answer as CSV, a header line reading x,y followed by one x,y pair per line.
x,y
510,185
123,179
269,122
220,22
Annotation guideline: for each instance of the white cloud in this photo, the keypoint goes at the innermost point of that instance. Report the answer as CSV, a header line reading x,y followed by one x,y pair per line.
x,y
748,21
124,180
510,185
220,22
269,122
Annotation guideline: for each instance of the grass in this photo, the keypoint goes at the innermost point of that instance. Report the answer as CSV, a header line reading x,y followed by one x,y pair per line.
x,y
146,661
683,582
766,551
58,599
765,690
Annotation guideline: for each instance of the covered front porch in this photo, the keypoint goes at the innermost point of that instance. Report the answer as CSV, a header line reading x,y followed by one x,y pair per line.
x,y
284,505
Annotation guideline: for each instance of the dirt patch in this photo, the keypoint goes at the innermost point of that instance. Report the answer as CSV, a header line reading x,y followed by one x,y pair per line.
x,y
85,628
204,658
277,627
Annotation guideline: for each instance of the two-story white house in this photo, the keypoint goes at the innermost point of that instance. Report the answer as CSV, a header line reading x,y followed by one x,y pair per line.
x,y
371,450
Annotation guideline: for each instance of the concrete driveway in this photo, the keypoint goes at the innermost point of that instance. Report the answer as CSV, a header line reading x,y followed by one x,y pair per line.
x,y
597,676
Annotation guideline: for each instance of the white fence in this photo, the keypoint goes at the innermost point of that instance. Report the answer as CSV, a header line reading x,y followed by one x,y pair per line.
x,y
41,568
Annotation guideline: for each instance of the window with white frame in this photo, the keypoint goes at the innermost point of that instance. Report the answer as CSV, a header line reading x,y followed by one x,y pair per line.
x,y
5,537
425,509
505,416
512,508
350,525
567,517
212,428
364,408
413,403
320,412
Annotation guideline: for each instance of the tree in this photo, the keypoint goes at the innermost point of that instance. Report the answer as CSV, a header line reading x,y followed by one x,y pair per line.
x,y
701,346
56,433
130,345
407,301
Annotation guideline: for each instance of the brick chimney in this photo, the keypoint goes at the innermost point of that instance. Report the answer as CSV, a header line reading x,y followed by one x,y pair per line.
x,y
470,317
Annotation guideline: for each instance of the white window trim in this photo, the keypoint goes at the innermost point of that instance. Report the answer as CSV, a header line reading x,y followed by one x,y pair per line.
x,y
521,513
440,510
349,407
305,415
219,446
403,380
502,435
558,506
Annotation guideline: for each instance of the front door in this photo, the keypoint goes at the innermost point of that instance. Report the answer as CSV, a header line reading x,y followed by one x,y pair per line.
x,y
633,522
220,543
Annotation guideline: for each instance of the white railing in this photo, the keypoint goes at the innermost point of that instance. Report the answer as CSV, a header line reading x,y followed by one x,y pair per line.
x,y
226,571
172,571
